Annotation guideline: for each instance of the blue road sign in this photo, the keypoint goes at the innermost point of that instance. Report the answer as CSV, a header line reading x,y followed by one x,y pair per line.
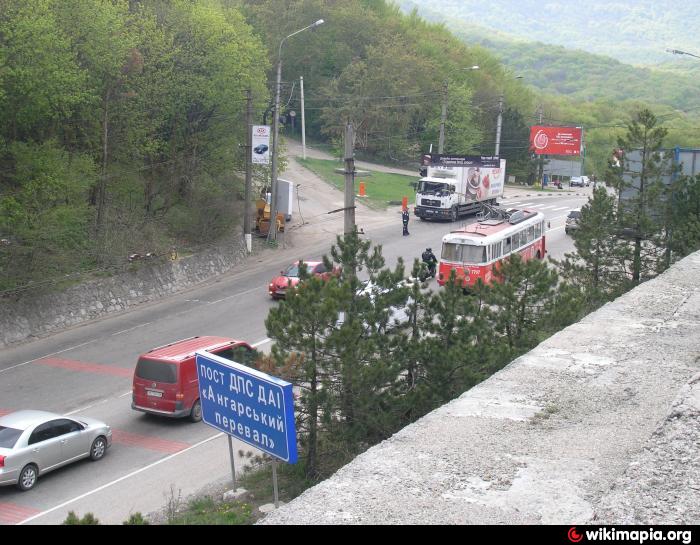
x,y
255,407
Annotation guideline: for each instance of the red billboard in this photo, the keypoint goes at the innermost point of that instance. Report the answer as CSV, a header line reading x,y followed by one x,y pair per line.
x,y
555,140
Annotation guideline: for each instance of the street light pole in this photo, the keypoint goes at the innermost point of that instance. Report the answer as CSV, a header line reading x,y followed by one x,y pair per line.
x,y
499,124
679,52
272,232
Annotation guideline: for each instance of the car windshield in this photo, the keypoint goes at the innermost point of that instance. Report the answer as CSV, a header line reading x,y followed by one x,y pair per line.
x,y
292,270
9,436
157,371
575,214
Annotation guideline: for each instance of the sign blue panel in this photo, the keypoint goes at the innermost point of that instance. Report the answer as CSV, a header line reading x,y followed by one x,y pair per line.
x,y
247,404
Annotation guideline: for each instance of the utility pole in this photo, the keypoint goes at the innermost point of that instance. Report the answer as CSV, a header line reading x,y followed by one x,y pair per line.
x,y
349,226
499,125
303,120
540,175
248,171
443,119
272,232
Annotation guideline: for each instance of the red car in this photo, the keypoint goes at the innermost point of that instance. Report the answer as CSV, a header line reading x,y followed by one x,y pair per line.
x,y
290,277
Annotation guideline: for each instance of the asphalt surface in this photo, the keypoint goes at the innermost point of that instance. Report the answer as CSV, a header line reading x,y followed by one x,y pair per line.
x,y
154,461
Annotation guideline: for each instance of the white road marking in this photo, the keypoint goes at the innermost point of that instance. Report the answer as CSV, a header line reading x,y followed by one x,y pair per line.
x,y
526,203
260,343
120,479
131,329
563,208
235,295
548,207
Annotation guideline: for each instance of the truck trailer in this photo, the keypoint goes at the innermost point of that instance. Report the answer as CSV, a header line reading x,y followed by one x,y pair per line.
x,y
454,186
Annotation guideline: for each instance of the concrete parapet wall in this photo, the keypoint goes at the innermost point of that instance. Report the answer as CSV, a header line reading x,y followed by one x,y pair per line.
x,y
599,423
36,315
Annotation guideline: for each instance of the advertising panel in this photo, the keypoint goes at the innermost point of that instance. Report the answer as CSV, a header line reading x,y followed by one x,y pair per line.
x,y
555,140
485,182
247,404
476,161
261,145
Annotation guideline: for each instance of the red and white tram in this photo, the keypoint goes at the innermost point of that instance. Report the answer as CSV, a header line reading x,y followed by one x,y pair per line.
x,y
475,251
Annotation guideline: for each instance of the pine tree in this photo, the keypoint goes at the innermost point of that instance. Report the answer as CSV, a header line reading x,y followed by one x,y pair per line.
x,y
300,326
524,294
641,212
600,266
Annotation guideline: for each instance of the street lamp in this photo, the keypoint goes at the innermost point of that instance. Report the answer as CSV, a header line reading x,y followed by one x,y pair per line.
x,y
272,232
679,52
443,115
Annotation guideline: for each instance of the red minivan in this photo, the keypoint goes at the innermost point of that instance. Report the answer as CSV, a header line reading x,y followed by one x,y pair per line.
x,y
165,379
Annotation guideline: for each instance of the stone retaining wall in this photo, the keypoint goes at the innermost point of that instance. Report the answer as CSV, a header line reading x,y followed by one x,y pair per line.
x,y
36,315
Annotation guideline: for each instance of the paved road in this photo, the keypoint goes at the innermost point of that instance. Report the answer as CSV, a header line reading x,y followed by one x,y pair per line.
x,y
152,457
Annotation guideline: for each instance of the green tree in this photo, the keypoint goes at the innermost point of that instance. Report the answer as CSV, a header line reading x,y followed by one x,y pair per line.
x,y
300,327
641,191
600,267
524,292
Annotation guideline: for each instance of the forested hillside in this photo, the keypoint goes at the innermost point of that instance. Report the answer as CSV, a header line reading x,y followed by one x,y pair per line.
x,y
585,76
633,31
122,121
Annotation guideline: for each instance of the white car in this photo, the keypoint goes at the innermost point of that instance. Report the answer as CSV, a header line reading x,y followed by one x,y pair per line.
x,y
35,442
398,315
579,181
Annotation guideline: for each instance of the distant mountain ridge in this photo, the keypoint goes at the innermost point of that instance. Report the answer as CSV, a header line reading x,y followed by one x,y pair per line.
x,y
577,73
632,31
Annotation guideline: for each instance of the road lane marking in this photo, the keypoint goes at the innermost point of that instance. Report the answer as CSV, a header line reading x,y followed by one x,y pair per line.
x,y
562,208
120,479
128,439
131,329
236,295
548,207
11,513
260,343
73,365
47,355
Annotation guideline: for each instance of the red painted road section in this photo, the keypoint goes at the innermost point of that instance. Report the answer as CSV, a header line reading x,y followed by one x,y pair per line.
x,y
11,513
83,367
150,443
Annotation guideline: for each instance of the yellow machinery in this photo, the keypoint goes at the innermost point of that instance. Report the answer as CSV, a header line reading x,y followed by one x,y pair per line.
x,y
262,218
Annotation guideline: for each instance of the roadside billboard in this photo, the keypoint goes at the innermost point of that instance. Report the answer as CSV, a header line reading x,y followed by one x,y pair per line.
x,y
247,404
555,140
261,145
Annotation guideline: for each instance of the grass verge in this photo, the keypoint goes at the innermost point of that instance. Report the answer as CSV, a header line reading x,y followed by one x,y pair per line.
x,y
382,188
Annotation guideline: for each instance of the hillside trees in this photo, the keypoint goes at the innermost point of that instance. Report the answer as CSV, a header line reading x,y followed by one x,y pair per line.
x,y
120,121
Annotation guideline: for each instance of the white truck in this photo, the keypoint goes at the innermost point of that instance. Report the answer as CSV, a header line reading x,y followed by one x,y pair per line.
x,y
457,185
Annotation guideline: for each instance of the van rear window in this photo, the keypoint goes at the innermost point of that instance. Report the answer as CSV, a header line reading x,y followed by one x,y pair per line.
x,y
9,436
157,371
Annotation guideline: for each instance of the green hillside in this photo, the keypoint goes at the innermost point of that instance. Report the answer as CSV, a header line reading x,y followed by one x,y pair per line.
x,y
633,31
586,76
